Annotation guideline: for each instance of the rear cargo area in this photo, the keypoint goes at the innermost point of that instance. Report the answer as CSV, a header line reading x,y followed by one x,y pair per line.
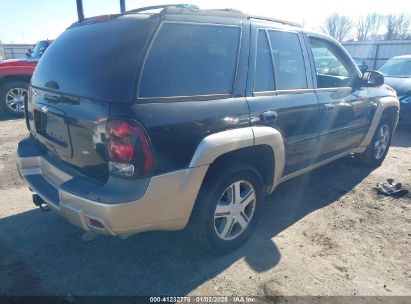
x,y
81,74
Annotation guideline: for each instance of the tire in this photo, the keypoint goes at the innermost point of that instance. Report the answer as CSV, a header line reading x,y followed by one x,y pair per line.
x,y
12,97
378,148
219,220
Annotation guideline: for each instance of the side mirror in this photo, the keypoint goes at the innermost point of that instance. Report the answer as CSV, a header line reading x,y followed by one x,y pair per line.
x,y
372,79
363,68
28,54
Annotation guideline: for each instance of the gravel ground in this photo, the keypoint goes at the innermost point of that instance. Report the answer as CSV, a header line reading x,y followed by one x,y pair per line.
x,y
324,233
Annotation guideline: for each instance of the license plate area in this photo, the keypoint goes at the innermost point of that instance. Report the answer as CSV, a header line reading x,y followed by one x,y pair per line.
x,y
52,129
51,126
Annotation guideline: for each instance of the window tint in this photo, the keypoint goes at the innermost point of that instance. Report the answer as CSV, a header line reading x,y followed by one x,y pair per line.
x,y
39,49
187,60
264,72
332,71
288,61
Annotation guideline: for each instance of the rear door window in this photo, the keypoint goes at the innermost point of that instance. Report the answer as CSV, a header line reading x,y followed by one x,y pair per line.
x,y
288,60
264,72
191,60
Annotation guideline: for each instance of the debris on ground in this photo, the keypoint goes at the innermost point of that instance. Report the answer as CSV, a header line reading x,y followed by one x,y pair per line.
x,y
390,188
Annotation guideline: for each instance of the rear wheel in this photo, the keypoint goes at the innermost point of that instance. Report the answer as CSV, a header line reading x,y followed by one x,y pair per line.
x,y
227,209
13,95
378,148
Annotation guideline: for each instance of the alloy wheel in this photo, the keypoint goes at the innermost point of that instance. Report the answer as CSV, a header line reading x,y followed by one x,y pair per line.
x,y
235,210
15,98
382,142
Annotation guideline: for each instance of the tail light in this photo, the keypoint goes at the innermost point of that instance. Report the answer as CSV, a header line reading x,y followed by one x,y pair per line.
x,y
128,148
26,107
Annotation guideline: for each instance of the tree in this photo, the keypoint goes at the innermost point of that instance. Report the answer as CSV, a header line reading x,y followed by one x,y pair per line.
x,y
337,26
397,26
367,27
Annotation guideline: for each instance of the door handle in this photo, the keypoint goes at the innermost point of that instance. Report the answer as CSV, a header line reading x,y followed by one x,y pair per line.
x,y
329,107
269,116
52,98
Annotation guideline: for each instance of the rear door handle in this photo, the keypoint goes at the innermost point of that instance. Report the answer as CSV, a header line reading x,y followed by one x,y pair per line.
x,y
329,107
269,116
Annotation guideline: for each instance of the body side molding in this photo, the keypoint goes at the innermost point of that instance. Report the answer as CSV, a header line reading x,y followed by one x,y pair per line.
x,y
215,145
383,104
273,138
220,143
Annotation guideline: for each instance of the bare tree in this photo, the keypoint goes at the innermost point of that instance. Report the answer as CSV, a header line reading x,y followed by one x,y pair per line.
x,y
397,26
337,26
367,27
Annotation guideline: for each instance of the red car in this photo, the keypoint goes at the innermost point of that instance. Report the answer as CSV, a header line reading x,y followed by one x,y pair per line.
x,y
15,75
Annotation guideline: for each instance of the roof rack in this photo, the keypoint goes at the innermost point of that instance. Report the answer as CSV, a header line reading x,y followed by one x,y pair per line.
x,y
80,9
231,10
275,20
154,7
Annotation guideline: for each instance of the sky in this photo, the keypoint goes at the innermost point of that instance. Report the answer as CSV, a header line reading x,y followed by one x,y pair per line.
x,y
27,21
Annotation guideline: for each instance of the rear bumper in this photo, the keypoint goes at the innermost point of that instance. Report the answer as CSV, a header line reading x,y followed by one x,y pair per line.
x,y
162,202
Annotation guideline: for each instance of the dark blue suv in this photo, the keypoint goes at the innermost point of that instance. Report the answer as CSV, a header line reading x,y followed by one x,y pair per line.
x,y
188,118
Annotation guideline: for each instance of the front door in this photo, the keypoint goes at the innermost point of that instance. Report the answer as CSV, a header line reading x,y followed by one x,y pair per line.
x,y
345,108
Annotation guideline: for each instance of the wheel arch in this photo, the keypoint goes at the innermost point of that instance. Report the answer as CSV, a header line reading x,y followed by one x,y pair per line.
x,y
6,79
391,115
388,107
261,157
261,147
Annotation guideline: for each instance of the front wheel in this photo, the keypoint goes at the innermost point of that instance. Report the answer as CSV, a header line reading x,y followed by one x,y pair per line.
x,y
378,148
13,95
227,209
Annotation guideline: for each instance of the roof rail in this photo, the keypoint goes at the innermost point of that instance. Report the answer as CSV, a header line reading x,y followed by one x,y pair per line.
x,y
154,7
275,20
231,10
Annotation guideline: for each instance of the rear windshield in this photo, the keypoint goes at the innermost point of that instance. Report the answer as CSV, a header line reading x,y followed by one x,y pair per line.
x,y
98,60
39,49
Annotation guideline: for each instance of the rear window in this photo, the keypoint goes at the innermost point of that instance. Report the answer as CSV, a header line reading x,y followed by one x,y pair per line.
x,y
288,61
264,71
98,60
191,60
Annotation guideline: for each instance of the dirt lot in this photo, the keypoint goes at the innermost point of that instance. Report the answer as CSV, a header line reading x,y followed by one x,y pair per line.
x,y
325,233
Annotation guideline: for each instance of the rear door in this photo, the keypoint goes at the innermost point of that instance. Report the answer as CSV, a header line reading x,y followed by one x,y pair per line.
x,y
280,92
345,109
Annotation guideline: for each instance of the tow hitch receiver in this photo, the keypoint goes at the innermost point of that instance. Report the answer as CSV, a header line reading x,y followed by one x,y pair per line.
x,y
38,201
